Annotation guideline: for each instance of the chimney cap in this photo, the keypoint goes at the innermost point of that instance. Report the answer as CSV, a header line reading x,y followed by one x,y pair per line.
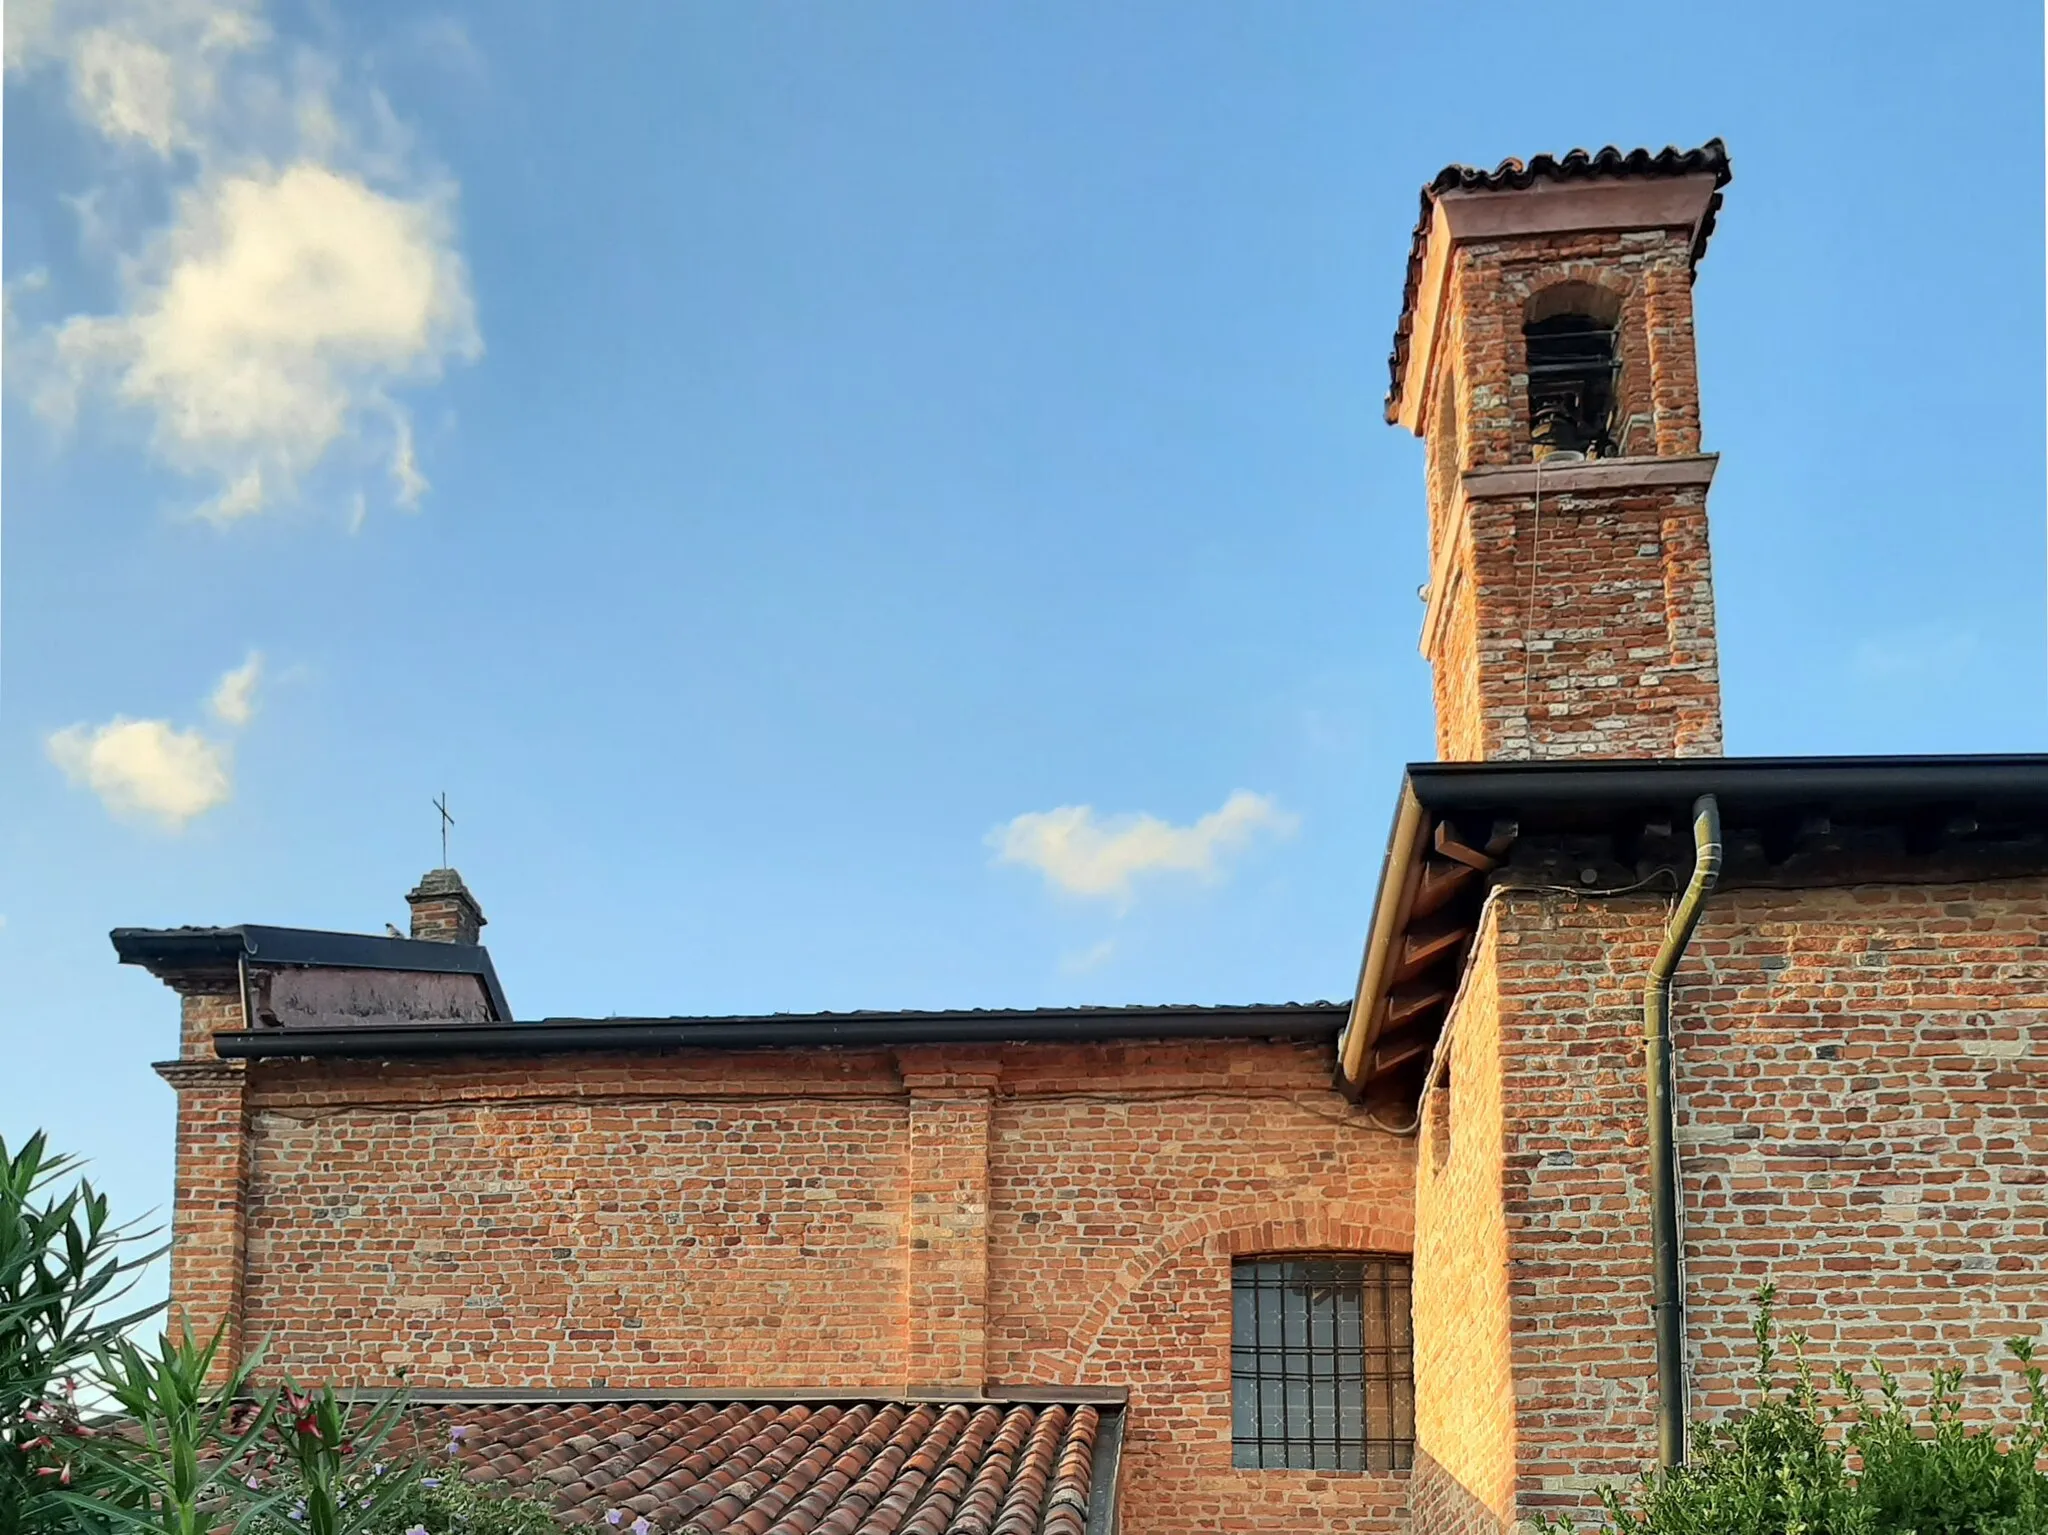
x,y
443,910
440,882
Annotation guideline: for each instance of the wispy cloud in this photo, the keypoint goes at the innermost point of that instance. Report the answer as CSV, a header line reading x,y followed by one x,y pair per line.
x,y
305,272
1085,961
144,74
150,769
234,697
1085,854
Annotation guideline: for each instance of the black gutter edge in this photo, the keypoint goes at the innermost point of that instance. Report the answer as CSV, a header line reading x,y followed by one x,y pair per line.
x,y
1069,1026
1740,783
1102,1478
162,950
1452,786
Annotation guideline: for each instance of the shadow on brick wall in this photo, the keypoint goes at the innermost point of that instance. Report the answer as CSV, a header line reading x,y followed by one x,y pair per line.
x,y
1440,1504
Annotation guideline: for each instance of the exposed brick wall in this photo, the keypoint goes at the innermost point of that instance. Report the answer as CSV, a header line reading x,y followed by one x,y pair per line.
x,y
1122,1182
946,1303
1577,624
210,1201
1648,272
1464,1480
1581,626
582,1222
210,1181
1863,1119
205,1008
443,910
753,1220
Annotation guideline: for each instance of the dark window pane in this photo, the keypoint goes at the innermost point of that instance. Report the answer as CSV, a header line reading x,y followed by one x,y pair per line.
x,y
1321,1372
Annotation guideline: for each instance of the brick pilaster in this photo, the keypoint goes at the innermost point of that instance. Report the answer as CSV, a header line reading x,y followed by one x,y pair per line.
x,y
946,1305
212,1191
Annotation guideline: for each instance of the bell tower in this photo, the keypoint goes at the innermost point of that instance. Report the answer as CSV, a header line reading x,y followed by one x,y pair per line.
x,y
1545,357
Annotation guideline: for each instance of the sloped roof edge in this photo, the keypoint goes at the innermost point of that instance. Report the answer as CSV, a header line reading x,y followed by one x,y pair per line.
x,y
1517,175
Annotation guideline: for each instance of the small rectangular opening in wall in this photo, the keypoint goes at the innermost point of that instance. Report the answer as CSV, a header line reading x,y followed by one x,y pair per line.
x,y
1322,1367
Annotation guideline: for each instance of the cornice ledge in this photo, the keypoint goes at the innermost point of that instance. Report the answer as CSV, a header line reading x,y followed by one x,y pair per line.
x,y
1508,480
199,1073
948,1071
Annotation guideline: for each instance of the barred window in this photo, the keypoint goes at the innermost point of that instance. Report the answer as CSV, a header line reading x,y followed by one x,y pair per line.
x,y
1322,1373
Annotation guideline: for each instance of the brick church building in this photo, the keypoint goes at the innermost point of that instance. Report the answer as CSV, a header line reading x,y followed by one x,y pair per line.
x,y
1637,1026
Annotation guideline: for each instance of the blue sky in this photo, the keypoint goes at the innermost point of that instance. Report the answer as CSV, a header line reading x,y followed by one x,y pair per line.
x,y
750,456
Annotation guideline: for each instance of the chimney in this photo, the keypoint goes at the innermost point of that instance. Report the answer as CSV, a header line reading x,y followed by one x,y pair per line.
x,y
443,910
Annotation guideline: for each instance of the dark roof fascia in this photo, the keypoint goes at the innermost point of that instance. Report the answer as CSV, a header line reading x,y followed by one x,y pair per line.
x,y
1313,1021
1103,1489
1542,796
171,950
1578,791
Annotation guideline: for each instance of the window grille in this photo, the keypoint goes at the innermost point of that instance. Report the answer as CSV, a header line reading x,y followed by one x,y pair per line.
x,y
1322,1370
1573,366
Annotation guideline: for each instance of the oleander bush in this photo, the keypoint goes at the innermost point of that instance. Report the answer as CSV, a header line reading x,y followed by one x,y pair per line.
x,y
102,1436
1803,1459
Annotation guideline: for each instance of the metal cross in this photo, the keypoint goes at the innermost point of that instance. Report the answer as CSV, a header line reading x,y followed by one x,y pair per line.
x,y
447,821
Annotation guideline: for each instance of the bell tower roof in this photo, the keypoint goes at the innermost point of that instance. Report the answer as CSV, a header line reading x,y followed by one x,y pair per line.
x,y
1611,189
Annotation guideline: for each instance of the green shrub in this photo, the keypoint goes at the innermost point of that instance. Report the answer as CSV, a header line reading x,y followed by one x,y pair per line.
x,y
163,1449
62,1265
338,1483
1798,1461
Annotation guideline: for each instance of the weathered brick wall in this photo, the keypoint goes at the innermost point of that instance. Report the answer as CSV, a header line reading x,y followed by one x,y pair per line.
x,y
581,1222
210,1178
1863,1090
952,1095
1646,273
932,1218
210,1194
1464,1392
1581,626
1123,1180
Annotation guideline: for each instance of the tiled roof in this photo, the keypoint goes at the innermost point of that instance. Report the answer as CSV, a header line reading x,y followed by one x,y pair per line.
x,y
780,1468
1514,176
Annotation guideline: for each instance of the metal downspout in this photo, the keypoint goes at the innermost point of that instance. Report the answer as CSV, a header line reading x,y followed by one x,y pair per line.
x,y
1667,1295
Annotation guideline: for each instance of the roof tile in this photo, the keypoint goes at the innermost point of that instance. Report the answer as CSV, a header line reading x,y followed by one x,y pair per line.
x,y
731,1468
1516,176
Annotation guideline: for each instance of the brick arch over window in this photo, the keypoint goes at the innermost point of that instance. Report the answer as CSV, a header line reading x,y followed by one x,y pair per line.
x,y
1225,1234
1597,295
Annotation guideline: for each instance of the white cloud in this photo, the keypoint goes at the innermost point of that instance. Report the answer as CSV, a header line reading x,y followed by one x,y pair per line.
x,y
152,769
279,307
145,768
143,73
234,697
304,272
1089,855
